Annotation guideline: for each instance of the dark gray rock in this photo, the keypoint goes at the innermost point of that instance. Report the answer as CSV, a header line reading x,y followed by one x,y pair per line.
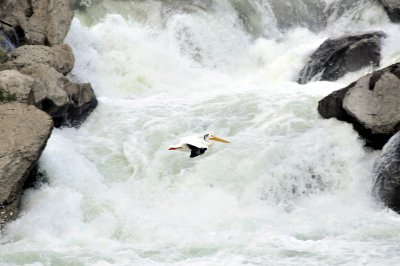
x,y
392,8
371,104
332,105
387,172
82,101
337,57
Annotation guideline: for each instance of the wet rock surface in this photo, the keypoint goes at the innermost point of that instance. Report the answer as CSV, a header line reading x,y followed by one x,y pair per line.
x,y
392,8
387,172
337,57
371,104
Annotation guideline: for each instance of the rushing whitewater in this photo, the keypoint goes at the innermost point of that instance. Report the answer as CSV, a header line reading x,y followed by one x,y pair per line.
x,y
291,188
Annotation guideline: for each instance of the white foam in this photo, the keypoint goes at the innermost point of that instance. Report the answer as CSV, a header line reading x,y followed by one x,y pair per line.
x,y
291,188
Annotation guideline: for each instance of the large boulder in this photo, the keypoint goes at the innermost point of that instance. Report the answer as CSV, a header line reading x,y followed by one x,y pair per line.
x,y
392,8
22,88
60,57
38,22
66,102
337,57
387,172
56,100
371,104
375,101
24,131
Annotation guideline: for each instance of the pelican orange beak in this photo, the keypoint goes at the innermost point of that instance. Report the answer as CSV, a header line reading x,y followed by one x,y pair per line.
x,y
214,138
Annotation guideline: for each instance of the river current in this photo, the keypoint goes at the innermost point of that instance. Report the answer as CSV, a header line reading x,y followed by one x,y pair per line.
x,y
290,189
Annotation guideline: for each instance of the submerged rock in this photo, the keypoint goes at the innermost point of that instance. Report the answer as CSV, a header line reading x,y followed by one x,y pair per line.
x,y
336,57
294,13
189,5
371,104
82,102
387,172
24,131
392,8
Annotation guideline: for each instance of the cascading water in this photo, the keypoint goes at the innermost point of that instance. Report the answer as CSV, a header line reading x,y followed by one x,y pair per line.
x,y
291,188
5,43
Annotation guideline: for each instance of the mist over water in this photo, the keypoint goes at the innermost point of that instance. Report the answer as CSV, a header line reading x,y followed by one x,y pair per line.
x,y
290,189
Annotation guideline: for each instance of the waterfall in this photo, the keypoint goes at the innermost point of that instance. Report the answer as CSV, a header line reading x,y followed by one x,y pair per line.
x,y
290,189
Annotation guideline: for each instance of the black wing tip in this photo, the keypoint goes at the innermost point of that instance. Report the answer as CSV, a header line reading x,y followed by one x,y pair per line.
x,y
196,151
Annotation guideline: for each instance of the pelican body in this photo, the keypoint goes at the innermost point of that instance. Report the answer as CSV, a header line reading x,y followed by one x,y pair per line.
x,y
196,145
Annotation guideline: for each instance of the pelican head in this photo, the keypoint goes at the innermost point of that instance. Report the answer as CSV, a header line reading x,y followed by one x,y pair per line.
x,y
209,136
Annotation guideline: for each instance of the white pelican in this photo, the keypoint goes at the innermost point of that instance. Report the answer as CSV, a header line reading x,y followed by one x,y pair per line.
x,y
196,145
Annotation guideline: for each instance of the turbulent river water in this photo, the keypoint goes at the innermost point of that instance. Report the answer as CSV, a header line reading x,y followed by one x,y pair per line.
x,y
290,189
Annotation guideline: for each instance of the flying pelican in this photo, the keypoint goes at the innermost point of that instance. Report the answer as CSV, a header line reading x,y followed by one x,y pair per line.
x,y
196,145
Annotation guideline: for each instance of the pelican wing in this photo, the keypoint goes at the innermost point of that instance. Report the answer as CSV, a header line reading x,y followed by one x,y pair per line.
x,y
196,141
194,151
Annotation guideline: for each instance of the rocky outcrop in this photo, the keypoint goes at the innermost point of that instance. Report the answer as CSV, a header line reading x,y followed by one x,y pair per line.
x,y
33,77
24,131
336,57
66,102
37,22
371,104
392,8
387,172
